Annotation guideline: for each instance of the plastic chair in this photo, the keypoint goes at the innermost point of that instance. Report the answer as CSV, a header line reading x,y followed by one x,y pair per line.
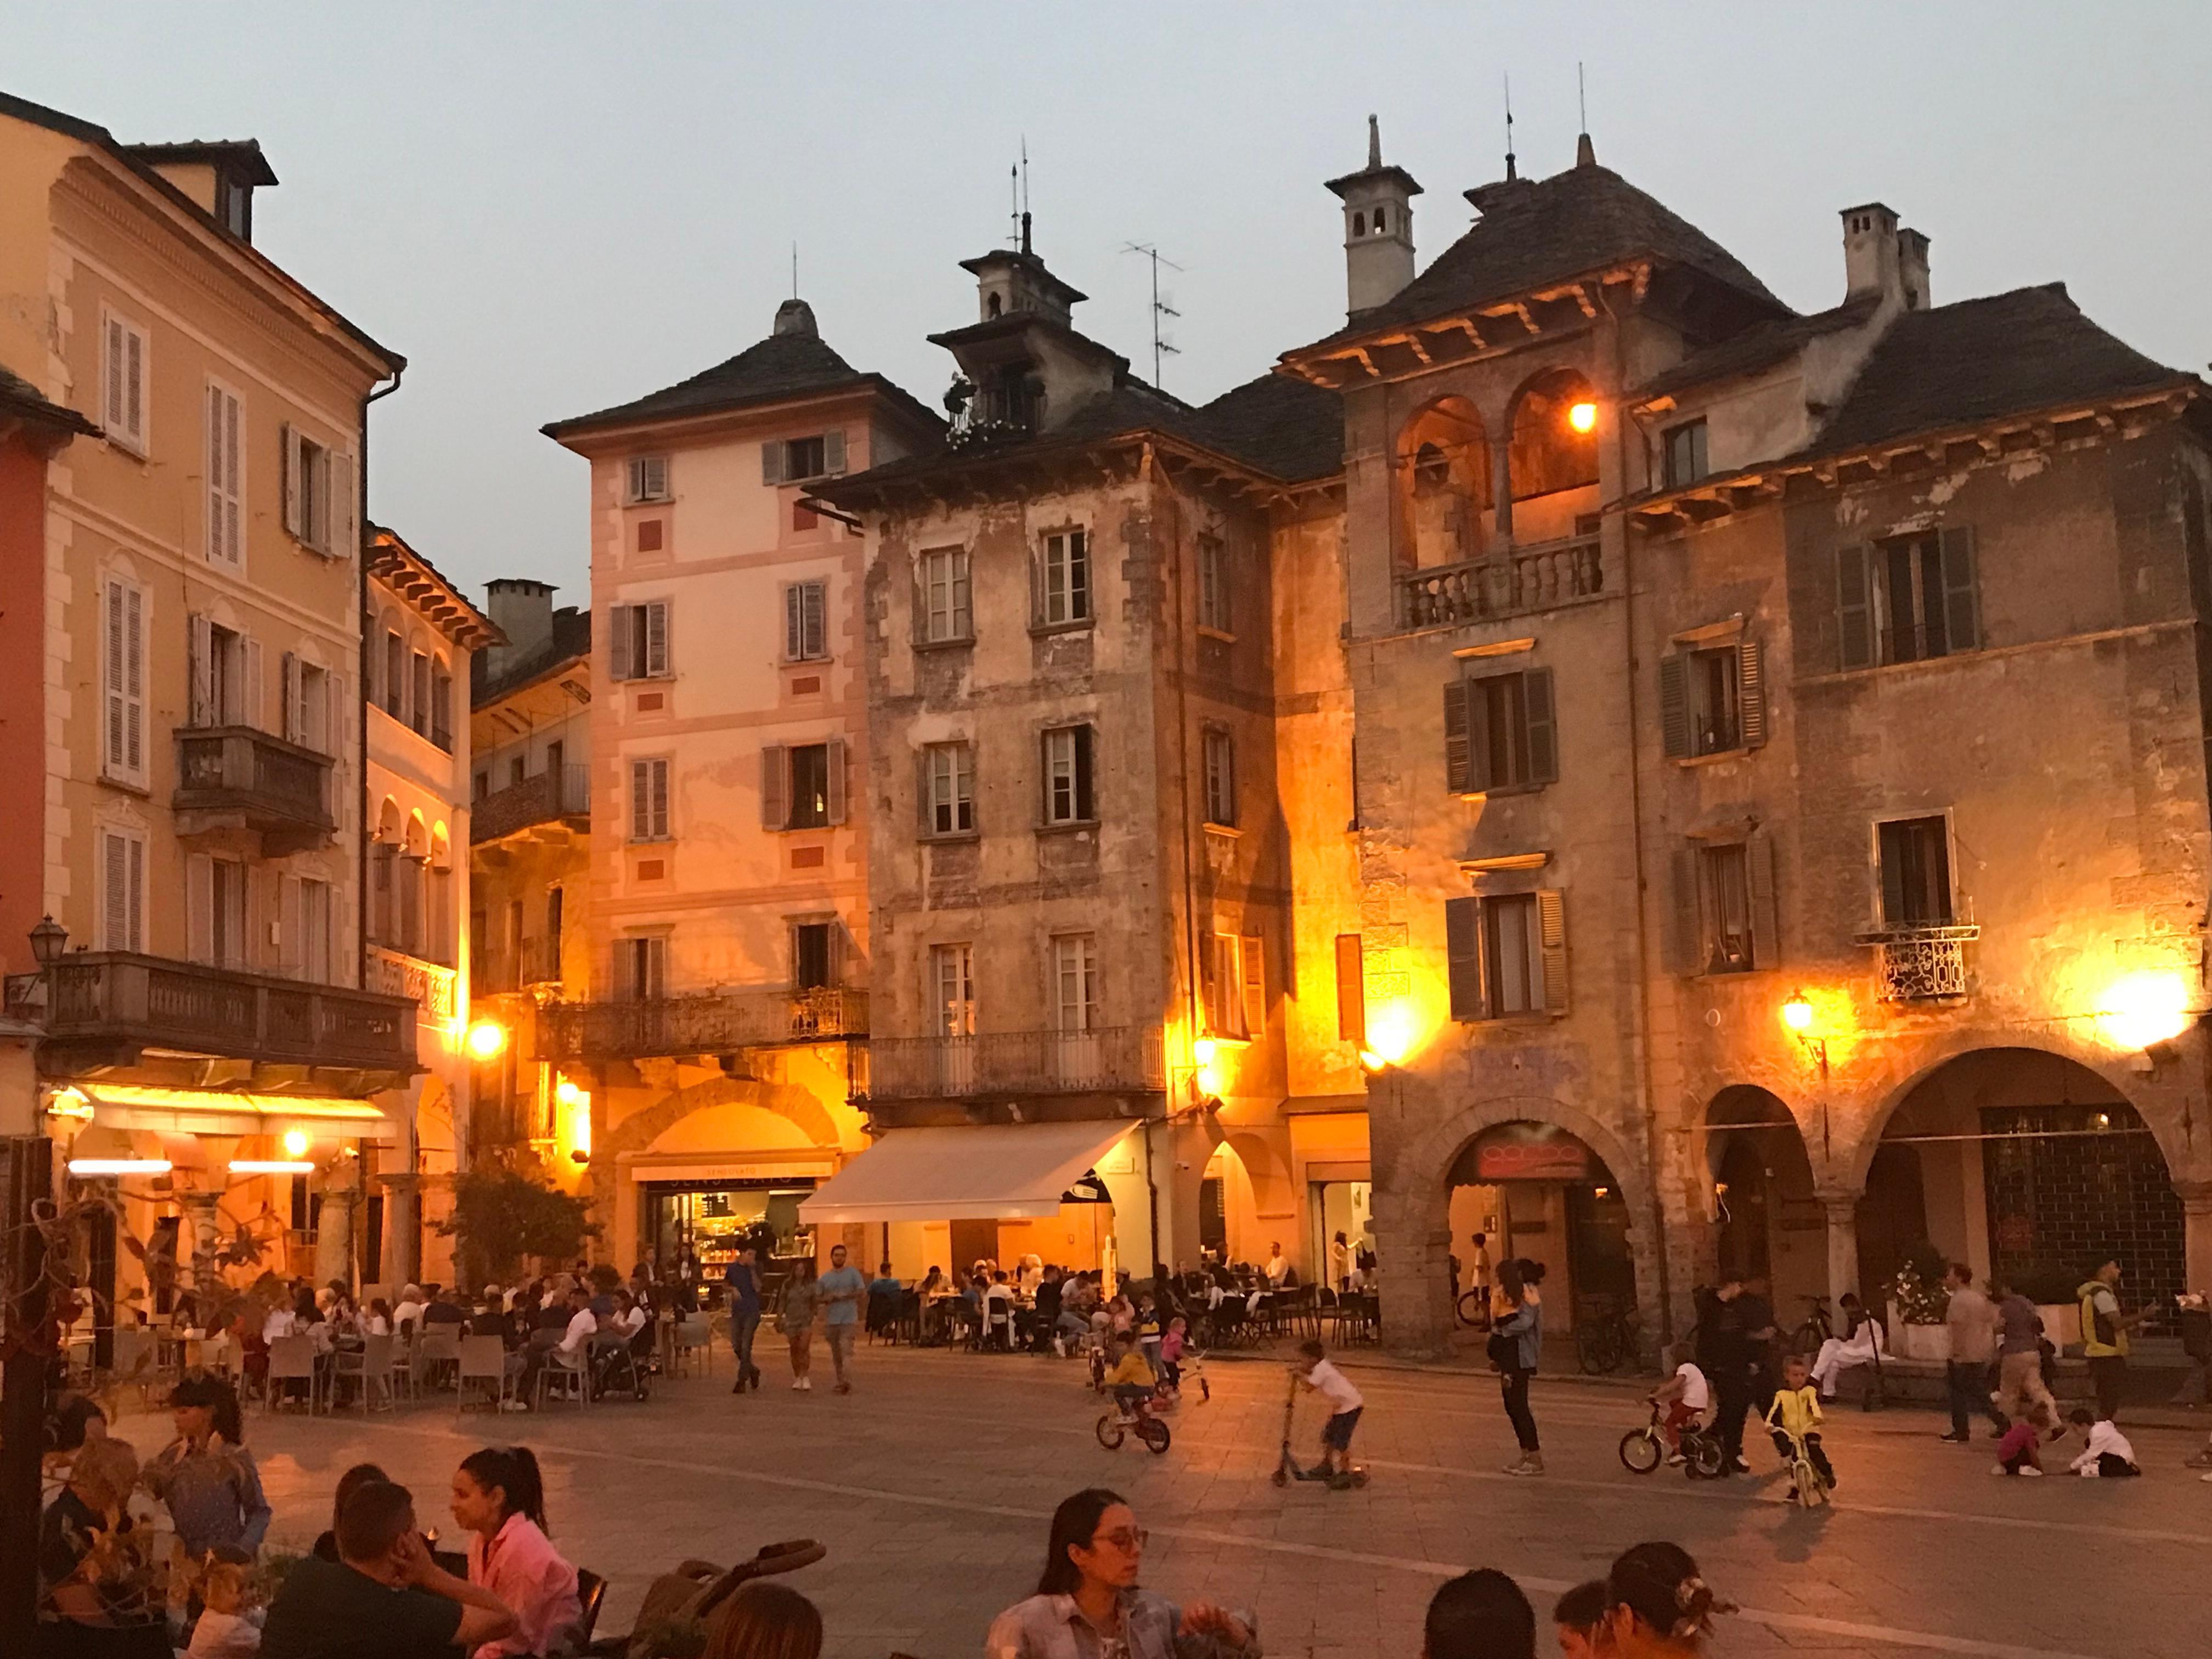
x,y
370,1365
693,1335
291,1359
481,1360
568,1375
436,1350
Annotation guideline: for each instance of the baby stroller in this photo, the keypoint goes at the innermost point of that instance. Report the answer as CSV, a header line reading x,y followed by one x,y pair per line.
x,y
688,1596
617,1369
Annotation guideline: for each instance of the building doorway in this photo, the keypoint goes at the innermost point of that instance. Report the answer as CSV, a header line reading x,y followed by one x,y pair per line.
x,y
1538,1193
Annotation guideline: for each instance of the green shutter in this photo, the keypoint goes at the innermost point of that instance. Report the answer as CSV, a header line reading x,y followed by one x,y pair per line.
x,y
1684,946
1854,609
1675,706
1765,912
1962,609
1551,934
1463,955
1751,692
1459,767
1542,745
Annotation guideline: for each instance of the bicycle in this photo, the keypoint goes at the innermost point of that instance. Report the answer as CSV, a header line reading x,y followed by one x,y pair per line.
x,y
1807,1486
1473,1309
1817,1326
1115,1426
1605,1338
1643,1450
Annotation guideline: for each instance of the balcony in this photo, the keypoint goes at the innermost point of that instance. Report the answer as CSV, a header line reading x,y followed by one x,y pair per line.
x,y
428,985
714,1022
1113,1060
534,962
551,798
106,1001
1503,584
234,777
1921,962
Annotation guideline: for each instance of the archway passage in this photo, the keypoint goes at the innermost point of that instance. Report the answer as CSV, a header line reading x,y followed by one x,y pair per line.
x,y
1767,1223
1554,440
2030,1168
1539,1192
1444,485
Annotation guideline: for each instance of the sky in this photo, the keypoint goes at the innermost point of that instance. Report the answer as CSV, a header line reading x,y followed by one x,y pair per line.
x,y
550,208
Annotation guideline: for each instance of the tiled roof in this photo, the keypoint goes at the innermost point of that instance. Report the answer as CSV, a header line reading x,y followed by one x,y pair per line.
x,y
1957,365
1760,346
22,398
572,638
1288,428
781,367
1536,233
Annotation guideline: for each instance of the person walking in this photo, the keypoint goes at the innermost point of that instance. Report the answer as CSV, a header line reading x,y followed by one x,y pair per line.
x,y
2104,1335
744,1316
2194,1320
1516,1344
844,1298
2021,1391
1724,1355
1972,1319
802,1300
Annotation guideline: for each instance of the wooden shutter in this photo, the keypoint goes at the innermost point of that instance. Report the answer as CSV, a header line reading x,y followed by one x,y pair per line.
x,y
776,787
199,667
1684,937
1675,706
199,907
656,639
113,417
115,891
1552,932
1751,692
1463,955
1208,972
216,548
291,931
834,762
1766,908
772,460
134,681
641,800
113,680
1962,610
1351,990
1542,742
134,386
924,763
661,827
288,460
288,676
1085,806
1854,609
1255,984
344,539
250,657
618,662
833,450
1459,767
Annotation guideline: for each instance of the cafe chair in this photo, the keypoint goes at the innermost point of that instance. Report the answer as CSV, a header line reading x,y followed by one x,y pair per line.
x,y
568,1376
481,1360
291,1359
437,1354
695,1335
370,1367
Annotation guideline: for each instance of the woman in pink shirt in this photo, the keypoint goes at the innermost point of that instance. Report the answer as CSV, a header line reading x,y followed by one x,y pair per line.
x,y
499,1500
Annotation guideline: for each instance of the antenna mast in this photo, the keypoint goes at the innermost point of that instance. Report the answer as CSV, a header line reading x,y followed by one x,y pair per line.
x,y
1161,308
1509,172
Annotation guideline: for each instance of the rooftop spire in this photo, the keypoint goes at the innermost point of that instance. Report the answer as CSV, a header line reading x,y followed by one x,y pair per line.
x,y
1509,171
1374,142
1585,151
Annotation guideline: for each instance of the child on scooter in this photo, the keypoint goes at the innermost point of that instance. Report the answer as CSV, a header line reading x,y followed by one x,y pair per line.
x,y
1685,1394
1131,1377
1314,1371
1795,1415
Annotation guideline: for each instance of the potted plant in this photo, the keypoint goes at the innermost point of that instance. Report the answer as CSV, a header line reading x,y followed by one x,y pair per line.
x,y
1918,1305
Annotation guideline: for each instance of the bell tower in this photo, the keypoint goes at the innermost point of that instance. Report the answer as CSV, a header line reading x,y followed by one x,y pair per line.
x,y
1378,228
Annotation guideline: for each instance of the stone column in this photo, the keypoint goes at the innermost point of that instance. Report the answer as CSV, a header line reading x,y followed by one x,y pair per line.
x,y
2195,1198
334,1225
1841,1211
196,1246
1501,487
403,1209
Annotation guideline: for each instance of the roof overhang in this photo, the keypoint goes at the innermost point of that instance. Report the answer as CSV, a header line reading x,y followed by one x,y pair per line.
x,y
415,579
593,435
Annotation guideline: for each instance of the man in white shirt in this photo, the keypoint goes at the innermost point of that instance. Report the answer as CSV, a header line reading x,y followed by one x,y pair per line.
x,y
1277,1266
543,1345
1345,1403
409,1311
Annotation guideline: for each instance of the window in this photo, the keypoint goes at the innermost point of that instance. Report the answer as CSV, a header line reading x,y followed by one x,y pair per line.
x,y
518,768
1686,454
794,460
649,479
1907,599
123,681
1075,983
1221,757
639,646
395,676
226,527
1506,955
1725,906
125,400
1712,700
944,608
803,786
806,629
952,989
1915,872
419,712
1233,985
317,481
306,928
310,709
441,707
1214,610
948,789
122,890
225,671
648,799
215,910
813,954
1064,580
1067,768
1498,732
642,966
1351,990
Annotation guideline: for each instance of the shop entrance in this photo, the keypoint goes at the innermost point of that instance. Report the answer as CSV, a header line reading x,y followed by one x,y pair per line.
x,y
708,1221
1538,1193
1344,1229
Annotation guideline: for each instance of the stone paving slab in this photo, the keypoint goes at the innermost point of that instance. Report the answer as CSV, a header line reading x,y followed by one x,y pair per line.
x,y
932,1484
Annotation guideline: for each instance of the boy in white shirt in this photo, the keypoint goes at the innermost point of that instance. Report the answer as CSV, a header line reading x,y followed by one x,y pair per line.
x,y
1686,1395
2108,1453
1344,1404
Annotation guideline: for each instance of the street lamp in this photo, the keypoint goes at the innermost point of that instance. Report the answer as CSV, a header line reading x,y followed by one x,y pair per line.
x,y
1797,1015
486,1038
1582,415
47,941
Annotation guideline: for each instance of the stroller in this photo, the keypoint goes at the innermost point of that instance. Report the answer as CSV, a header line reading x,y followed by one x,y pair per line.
x,y
688,1596
617,1369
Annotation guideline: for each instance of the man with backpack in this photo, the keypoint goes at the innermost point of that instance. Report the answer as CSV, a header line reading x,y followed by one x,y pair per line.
x,y
2105,1335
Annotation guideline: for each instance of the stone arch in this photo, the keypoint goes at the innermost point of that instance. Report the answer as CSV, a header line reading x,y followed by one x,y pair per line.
x,y
1270,1175
1545,453
641,1129
1754,1163
1441,483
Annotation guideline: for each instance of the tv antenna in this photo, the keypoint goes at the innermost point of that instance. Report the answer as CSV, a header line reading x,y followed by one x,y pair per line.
x,y
1161,308
1017,192
1509,172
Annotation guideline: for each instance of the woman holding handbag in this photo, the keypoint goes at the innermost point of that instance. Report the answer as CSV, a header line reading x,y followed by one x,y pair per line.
x,y
795,1318
1516,1340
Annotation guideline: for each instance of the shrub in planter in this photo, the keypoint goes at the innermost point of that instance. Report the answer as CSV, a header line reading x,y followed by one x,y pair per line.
x,y
1918,1291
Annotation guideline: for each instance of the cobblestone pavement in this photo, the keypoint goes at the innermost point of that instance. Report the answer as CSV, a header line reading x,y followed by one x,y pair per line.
x,y
932,1484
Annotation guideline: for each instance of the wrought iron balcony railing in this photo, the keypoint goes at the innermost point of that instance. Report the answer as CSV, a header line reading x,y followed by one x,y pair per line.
x,y
1114,1058
1503,584
551,797
1921,962
120,999
235,776
713,1022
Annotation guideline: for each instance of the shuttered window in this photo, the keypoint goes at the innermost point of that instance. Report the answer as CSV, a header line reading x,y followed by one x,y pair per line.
x,y
1915,872
1499,733
1222,985
318,482
122,890
305,929
1713,701
123,681
1506,955
641,968
226,485
648,800
1214,610
637,646
1908,599
1221,757
795,461
806,622
945,610
803,786
125,398
648,479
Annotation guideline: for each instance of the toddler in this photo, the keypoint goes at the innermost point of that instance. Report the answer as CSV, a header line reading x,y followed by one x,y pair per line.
x,y
229,1625
2108,1453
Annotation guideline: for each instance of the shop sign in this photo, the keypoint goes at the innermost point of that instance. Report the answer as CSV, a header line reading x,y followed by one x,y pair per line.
x,y
1530,1152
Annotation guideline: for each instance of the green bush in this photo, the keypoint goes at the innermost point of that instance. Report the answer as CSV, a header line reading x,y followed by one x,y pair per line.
x,y
502,1215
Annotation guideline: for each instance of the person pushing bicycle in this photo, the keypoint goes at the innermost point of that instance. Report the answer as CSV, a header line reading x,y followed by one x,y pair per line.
x,y
1795,1419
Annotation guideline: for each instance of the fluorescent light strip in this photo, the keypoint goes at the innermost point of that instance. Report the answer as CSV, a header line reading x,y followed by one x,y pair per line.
x,y
268,1166
119,1166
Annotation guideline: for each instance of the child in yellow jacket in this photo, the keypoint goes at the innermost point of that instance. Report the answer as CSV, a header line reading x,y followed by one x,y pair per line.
x,y
1795,1415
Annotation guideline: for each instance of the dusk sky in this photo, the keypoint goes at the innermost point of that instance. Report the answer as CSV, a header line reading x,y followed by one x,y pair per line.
x,y
551,207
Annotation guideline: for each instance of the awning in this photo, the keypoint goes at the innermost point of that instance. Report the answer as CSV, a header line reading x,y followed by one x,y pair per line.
x,y
230,1112
991,1171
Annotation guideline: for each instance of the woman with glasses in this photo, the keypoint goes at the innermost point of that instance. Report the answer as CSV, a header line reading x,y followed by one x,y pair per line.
x,y
1088,1605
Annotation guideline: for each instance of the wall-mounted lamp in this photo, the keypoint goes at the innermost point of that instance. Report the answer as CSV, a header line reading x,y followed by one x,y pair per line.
x,y
486,1038
1583,416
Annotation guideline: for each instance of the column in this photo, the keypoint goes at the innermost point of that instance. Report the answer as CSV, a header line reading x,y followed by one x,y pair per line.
x,y
196,1249
1501,487
1841,1211
334,1228
403,1208
2195,1198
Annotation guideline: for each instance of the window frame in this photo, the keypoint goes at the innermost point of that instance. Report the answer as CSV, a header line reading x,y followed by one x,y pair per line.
x,y
951,966
1078,953
1217,770
124,741
1081,785
638,487
1216,599
816,816
642,966
958,611
1946,853
1693,434
948,790
1714,956
126,347
802,927
1064,557
652,811
133,840
806,633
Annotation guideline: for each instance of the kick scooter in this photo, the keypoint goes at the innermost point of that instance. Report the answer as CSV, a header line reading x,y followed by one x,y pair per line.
x,y
1287,1470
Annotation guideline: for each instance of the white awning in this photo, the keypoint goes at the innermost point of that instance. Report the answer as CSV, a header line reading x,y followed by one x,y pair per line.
x,y
991,1171
232,1112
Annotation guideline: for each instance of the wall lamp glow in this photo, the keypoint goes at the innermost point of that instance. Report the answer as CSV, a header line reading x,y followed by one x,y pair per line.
x,y
1797,1013
1204,1050
270,1166
119,1166
295,1145
1583,416
486,1038
70,1102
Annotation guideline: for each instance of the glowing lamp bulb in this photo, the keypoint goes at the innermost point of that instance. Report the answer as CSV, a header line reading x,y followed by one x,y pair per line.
x,y
1203,1051
486,1038
1797,1014
296,1144
1583,416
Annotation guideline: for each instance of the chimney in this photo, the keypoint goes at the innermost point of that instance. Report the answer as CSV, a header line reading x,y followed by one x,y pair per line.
x,y
795,316
1378,228
523,610
1870,252
1912,269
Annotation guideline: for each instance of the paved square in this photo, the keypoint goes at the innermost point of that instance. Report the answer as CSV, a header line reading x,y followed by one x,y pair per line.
x,y
932,1483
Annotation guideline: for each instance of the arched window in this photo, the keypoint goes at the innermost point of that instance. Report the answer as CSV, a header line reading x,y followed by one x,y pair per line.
x,y
1443,485
994,305
1553,447
1378,221
439,931
1358,224
384,857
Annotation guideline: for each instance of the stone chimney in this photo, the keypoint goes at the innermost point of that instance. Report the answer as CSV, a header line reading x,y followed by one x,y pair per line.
x,y
1870,252
523,610
795,316
1378,228
1912,269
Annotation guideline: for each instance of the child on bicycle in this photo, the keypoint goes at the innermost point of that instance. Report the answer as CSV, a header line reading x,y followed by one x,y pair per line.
x,y
1313,1370
1131,1377
1685,1394
1795,1418
1171,1346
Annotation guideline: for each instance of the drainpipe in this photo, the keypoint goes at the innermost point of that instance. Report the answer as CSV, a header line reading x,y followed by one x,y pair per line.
x,y
361,783
1182,838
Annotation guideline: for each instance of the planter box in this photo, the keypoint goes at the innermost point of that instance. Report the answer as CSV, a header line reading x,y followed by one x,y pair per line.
x,y
1910,1341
